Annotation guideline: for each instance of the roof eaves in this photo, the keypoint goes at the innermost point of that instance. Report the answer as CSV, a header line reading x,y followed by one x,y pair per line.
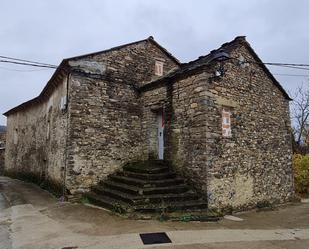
x,y
39,98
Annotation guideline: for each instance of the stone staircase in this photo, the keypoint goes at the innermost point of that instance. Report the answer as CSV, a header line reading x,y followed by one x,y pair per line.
x,y
149,187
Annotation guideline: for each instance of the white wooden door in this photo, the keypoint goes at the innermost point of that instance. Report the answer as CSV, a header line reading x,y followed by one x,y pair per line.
x,y
160,122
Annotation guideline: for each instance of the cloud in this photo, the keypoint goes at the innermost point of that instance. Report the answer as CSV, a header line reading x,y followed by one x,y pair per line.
x,y
49,31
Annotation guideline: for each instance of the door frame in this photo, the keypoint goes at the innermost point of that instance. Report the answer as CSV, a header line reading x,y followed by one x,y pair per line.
x,y
160,121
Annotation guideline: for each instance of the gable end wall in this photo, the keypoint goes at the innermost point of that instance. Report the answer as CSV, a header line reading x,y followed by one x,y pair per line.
x,y
251,167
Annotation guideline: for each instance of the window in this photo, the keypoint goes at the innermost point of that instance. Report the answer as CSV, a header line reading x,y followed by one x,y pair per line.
x,y
226,123
159,68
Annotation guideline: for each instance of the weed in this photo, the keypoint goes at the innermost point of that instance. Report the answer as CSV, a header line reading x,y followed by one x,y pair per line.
x,y
118,208
84,200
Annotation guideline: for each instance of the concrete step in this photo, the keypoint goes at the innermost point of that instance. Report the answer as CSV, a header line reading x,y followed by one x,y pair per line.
x,y
107,202
172,207
115,194
143,176
180,188
144,199
149,163
146,183
146,187
163,198
146,169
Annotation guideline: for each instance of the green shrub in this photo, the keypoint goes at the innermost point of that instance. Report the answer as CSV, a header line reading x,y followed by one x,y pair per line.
x,y
301,173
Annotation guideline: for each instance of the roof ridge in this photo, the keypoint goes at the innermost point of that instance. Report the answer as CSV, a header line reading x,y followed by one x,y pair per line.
x,y
150,39
64,61
105,50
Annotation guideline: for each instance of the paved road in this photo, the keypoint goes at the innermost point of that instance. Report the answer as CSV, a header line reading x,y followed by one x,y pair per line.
x,y
32,229
36,220
283,244
3,202
5,241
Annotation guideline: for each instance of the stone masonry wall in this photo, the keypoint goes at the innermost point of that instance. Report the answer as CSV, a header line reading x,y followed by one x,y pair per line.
x,y
35,143
254,165
184,131
251,167
105,114
104,130
132,64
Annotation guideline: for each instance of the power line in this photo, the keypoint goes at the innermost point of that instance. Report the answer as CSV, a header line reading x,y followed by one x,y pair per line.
x,y
292,75
23,62
288,65
294,67
21,70
28,64
15,59
285,64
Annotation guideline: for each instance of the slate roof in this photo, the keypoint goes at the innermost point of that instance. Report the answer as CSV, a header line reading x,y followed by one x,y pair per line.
x,y
63,67
191,66
185,68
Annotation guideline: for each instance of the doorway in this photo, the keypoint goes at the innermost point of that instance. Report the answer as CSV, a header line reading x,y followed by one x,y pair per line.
x,y
160,125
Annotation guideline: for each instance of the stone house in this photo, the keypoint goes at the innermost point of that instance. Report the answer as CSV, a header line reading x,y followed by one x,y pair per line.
x,y
222,120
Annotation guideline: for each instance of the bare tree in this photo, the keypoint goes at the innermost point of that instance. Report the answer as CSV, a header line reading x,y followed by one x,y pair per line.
x,y
300,114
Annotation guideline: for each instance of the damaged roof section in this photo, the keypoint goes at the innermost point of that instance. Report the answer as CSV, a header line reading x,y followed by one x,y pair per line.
x,y
88,66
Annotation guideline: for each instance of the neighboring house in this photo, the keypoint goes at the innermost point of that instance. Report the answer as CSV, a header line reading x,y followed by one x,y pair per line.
x,y
2,147
222,120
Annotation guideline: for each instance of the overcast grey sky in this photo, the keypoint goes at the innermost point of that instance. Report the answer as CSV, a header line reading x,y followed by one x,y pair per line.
x,y
51,30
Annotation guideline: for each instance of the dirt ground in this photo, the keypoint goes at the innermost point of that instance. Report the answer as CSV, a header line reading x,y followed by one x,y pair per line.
x,y
32,218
